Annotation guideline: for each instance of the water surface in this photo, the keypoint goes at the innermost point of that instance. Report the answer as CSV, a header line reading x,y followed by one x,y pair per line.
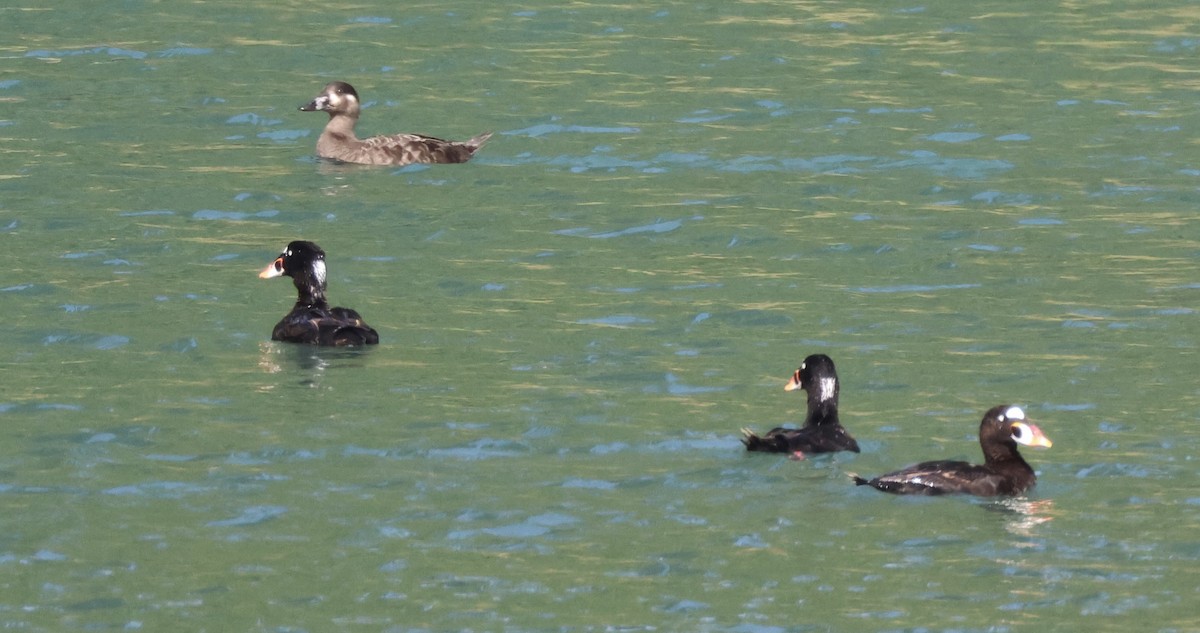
x,y
962,204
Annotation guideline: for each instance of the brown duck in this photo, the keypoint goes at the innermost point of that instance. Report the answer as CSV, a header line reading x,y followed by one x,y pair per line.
x,y
338,141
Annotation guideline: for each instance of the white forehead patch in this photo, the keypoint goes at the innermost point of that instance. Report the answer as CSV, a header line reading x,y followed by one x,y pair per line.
x,y
319,270
1014,413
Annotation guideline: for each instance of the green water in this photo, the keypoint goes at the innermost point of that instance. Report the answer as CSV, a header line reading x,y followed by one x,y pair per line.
x,y
964,204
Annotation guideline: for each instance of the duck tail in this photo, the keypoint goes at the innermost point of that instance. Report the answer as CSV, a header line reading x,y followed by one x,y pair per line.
x,y
477,141
751,439
858,481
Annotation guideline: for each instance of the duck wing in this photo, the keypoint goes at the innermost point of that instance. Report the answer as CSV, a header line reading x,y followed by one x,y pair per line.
x,y
404,149
941,477
810,439
336,327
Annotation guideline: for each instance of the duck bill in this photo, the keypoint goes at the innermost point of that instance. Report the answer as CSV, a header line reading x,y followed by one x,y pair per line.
x,y
1037,438
275,269
794,383
320,103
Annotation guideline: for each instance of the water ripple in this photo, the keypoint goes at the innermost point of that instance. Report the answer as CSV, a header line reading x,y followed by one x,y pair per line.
x,y
589,484
479,450
98,50
912,288
663,226
184,51
555,128
620,320
158,489
253,515
211,214
955,137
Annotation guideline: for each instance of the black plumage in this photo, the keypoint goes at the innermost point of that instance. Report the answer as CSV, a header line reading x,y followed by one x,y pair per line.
x,y
312,321
1003,472
822,432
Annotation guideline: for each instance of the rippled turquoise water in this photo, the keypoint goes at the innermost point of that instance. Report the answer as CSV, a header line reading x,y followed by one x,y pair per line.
x,y
963,203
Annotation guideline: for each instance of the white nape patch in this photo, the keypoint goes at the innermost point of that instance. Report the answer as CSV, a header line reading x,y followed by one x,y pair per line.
x,y
1014,413
828,388
318,268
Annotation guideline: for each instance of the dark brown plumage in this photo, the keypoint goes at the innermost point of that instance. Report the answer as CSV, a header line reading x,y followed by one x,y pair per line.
x,y
822,432
338,141
1003,472
311,320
